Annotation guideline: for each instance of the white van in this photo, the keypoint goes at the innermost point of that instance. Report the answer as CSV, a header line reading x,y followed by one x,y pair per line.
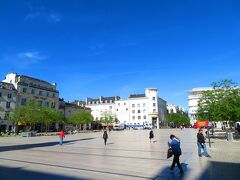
x,y
120,126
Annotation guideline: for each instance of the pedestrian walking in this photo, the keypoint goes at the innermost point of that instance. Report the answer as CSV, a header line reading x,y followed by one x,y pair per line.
x,y
174,144
151,136
61,136
201,143
105,137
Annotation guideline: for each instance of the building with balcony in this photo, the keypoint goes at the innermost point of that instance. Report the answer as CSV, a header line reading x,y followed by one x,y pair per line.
x,y
8,95
16,90
135,111
29,88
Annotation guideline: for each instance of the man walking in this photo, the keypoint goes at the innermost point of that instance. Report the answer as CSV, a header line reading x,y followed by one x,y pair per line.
x,y
174,144
201,143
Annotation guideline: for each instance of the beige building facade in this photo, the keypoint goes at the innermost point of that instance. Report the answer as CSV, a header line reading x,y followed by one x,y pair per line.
x,y
8,97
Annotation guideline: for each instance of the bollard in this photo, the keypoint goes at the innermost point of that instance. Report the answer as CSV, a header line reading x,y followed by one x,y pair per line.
x,y
229,136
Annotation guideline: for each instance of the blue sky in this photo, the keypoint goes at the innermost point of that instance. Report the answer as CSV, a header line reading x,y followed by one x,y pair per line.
x,y
105,47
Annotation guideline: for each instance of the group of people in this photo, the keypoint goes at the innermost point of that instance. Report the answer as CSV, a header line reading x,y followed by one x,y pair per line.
x,y
174,145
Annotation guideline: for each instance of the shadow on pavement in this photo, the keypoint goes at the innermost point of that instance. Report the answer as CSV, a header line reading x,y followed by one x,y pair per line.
x,y
7,173
168,174
25,177
29,146
221,170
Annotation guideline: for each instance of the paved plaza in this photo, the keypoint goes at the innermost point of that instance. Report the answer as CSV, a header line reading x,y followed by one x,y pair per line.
x,y
128,155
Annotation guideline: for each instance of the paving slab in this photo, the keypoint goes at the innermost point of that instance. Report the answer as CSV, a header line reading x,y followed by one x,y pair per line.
x,y
128,155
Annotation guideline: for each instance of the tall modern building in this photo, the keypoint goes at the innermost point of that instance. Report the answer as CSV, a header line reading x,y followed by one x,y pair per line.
x,y
193,98
135,111
8,95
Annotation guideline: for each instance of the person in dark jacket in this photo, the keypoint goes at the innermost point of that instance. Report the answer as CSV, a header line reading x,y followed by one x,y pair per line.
x,y
201,143
105,137
174,144
151,135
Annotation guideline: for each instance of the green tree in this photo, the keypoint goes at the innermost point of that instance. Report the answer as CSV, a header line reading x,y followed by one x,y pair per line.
x,y
80,117
32,113
222,103
49,116
176,119
26,115
107,118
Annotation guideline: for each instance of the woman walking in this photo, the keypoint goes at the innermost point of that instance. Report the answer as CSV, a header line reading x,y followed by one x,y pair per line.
x,y
105,137
151,135
174,144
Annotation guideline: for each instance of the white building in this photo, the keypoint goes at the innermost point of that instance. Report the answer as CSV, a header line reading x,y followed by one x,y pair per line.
x,y
136,111
172,108
193,98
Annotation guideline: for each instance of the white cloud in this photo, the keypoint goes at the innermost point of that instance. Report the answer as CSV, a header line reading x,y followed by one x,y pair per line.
x,y
46,16
24,59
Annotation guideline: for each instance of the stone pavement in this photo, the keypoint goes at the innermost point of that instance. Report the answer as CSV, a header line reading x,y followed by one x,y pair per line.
x,y
128,155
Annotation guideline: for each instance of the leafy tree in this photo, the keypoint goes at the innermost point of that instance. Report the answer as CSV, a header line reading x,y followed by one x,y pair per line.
x,y
176,119
32,113
28,114
107,118
50,116
222,103
80,117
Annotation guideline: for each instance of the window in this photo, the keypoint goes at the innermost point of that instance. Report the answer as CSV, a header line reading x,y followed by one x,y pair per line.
x,y
144,104
24,90
9,95
47,94
52,105
139,117
139,111
144,117
119,104
6,115
23,101
133,117
154,98
154,110
53,95
138,105
154,104
144,111
124,103
110,107
33,91
40,103
46,103
40,93
133,111
8,105
117,109
0,94
126,109
133,105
